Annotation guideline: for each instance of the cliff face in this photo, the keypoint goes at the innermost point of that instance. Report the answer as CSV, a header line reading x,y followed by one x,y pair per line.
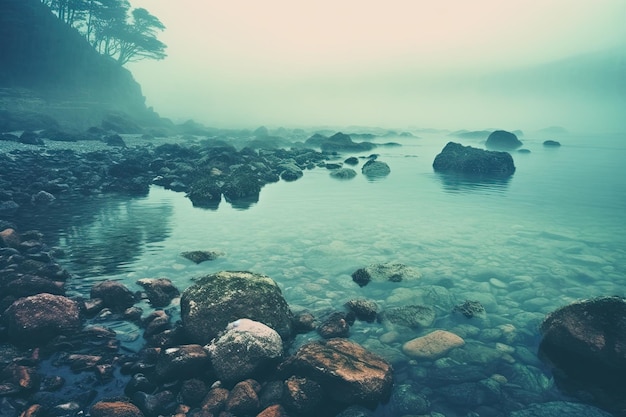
x,y
48,69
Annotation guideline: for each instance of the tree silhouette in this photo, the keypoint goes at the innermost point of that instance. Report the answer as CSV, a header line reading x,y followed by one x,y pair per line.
x,y
112,28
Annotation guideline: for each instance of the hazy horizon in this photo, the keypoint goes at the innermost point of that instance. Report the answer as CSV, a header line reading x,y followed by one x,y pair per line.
x,y
399,64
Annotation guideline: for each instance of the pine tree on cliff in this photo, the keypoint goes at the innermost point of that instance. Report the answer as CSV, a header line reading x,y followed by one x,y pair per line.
x,y
112,28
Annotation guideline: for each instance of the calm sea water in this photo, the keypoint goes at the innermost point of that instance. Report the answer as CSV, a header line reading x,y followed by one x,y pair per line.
x,y
553,233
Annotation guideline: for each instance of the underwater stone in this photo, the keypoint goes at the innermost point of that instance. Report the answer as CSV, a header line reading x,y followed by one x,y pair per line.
x,y
432,346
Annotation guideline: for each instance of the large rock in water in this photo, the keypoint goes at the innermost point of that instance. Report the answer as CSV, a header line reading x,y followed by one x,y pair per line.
x,y
216,300
39,318
586,342
346,371
459,159
503,140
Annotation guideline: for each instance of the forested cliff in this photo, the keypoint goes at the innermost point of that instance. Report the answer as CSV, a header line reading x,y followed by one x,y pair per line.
x,y
47,69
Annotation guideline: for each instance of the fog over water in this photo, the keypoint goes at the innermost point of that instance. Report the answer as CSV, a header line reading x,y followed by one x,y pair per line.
x,y
446,64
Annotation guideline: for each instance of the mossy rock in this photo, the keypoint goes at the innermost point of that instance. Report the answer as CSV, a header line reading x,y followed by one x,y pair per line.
x,y
216,300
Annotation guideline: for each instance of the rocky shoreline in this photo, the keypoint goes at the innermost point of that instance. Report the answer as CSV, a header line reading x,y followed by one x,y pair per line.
x,y
227,355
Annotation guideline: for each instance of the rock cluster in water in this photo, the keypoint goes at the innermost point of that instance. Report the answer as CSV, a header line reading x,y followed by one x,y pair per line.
x,y
244,362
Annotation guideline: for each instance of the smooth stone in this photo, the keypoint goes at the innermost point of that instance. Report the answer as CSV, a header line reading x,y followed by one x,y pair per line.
x,y
433,345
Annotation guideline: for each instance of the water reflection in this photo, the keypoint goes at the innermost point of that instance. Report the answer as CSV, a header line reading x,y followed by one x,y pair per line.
x,y
102,235
463,183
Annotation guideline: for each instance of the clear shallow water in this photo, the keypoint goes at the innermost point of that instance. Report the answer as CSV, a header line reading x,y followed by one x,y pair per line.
x,y
551,234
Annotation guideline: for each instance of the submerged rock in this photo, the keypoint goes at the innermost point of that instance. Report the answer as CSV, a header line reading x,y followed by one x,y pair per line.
x,y
393,272
199,256
414,316
433,345
216,300
503,140
459,159
585,341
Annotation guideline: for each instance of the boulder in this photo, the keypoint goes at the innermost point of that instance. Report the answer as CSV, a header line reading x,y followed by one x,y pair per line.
x,y
347,372
375,169
503,140
586,344
458,159
39,318
216,300
393,272
245,349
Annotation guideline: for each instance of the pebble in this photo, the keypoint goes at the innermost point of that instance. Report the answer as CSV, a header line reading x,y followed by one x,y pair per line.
x,y
433,345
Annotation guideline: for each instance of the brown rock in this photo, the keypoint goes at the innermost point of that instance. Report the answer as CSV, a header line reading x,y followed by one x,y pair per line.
x,y
23,377
10,238
215,400
39,318
346,371
275,410
302,395
34,410
115,409
243,398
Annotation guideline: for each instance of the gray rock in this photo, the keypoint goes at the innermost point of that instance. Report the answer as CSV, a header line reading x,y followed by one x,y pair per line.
x,y
246,348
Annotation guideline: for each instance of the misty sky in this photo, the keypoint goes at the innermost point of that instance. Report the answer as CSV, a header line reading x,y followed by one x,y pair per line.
x,y
398,63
